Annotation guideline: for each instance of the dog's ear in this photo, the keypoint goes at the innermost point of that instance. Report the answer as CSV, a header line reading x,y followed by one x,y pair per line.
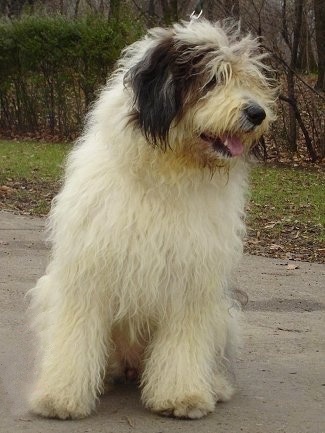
x,y
158,92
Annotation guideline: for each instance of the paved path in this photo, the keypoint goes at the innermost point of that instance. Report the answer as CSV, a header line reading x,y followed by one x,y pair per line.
x,y
280,370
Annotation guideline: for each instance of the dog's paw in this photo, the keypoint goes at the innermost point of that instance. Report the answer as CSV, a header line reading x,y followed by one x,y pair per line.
x,y
191,406
49,405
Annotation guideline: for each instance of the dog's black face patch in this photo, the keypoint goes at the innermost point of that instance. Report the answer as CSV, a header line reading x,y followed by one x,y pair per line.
x,y
165,82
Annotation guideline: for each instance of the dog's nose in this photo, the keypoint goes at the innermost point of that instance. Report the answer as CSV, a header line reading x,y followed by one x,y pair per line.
x,y
255,114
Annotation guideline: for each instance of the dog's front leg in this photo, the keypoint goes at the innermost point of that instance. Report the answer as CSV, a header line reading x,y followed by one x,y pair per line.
x,y
73,352
181,376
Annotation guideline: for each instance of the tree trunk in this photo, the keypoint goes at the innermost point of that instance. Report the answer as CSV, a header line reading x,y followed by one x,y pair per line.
x,y
232,8
320,41
76,8
151,8
306,60
290,74
292,134
114,9
170,11
210,10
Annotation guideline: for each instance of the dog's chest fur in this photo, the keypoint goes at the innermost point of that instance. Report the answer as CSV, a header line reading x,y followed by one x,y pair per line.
x,y
173,243
162,238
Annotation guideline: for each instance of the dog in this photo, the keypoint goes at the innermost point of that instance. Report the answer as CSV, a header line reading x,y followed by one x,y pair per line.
x,y
147,229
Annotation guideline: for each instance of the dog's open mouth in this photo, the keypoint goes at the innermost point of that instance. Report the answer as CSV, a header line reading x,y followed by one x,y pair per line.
x,y
227,145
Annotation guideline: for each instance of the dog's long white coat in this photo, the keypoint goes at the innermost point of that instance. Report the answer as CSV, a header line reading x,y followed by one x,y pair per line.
x,y
144,245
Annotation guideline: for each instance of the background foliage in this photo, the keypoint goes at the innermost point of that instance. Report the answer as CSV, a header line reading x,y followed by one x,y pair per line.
x,y
56,54
52,67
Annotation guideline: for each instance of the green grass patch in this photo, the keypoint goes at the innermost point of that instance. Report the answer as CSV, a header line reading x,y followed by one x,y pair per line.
x,y
283,193
32,161
30,175
286,213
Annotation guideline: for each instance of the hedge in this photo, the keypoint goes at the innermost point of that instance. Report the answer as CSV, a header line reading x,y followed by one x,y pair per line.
x,y
51,67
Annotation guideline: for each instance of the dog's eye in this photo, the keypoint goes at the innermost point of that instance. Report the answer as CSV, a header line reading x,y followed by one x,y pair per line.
x,y
211,84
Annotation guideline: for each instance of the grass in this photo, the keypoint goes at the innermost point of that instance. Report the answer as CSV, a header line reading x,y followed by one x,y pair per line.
x,y
286,213
286,194
30,174
32,161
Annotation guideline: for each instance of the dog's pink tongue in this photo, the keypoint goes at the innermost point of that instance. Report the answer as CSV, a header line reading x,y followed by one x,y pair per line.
x,y
235,146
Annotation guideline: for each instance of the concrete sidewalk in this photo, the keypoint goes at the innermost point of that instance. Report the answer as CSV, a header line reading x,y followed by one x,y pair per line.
x,y
280,370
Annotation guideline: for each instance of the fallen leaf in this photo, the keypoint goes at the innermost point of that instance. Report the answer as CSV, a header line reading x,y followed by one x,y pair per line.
x,y
291,267
130,422
276,247
6,189
270,226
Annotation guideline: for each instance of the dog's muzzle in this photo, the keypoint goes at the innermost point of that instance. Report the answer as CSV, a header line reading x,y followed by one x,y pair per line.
x,y
254,114
230,144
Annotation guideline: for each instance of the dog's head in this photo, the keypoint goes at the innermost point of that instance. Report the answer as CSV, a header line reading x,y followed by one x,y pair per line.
x,y
201,86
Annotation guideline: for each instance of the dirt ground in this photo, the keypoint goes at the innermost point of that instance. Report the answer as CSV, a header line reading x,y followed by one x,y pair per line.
x,y
280,369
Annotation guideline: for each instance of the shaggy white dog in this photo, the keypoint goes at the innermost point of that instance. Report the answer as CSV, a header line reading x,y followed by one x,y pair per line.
x,y
148,227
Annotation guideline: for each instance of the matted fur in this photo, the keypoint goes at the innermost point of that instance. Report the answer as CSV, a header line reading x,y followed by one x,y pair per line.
x,y
148,228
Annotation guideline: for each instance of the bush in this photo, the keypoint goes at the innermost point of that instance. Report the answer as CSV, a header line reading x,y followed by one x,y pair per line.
x,y
51,67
